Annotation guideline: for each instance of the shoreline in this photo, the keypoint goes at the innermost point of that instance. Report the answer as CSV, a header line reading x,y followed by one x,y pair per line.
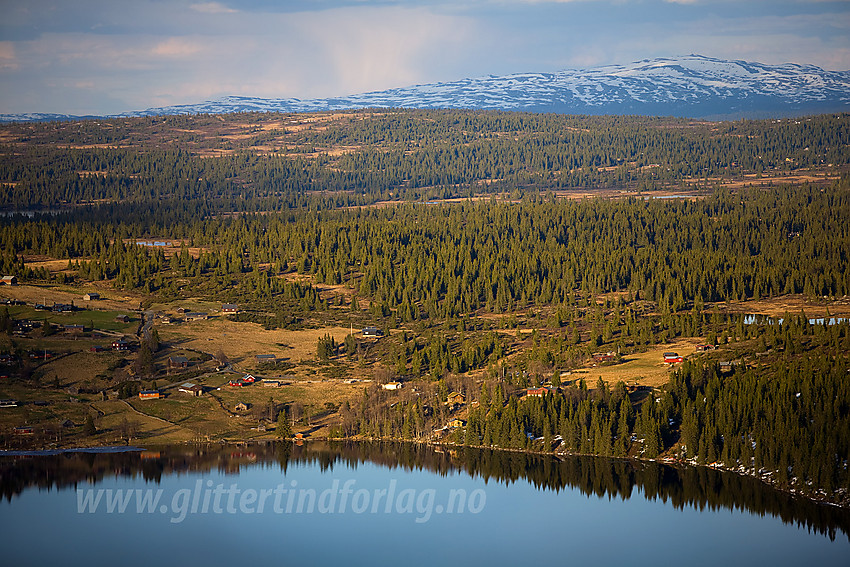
x,y
51,452
675,463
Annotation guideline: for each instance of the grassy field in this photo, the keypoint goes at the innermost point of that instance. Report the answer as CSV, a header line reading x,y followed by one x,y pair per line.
x,y
793,304
81,369
111,299
192,304
242,341
100,319
315,386
644,368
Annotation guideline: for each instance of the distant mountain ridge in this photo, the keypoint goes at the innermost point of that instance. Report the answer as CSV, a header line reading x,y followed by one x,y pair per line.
x,y
692,86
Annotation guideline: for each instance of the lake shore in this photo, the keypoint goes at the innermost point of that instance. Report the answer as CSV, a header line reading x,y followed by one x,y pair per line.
x,y
842,499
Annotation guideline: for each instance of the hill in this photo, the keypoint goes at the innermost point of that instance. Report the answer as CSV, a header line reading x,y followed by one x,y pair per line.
x,y
692,86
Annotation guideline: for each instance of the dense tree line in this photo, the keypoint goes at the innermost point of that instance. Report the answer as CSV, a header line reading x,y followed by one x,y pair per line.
x,y
407,154
787,420
421,261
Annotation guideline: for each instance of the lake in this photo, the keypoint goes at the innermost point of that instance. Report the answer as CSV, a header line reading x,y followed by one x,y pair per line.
x,y
392,503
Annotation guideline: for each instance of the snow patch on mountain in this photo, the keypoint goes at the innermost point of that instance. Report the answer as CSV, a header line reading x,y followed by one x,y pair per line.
x,y
692,86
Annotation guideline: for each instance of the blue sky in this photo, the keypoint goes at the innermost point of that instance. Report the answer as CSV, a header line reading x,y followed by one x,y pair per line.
x,y
110,56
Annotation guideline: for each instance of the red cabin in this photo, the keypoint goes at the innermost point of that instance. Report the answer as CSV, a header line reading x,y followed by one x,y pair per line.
x,y
672,357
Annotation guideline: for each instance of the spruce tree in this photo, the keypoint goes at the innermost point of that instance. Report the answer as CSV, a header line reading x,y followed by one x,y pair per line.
x,y
283,429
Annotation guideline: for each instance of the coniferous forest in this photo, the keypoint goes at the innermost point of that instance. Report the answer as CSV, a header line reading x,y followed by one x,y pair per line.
x,y
497,252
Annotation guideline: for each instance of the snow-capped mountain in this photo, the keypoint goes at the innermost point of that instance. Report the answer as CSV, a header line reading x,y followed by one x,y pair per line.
x,y
690,86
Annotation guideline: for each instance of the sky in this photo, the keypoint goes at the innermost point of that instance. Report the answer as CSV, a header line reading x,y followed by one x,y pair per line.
x,y
110,56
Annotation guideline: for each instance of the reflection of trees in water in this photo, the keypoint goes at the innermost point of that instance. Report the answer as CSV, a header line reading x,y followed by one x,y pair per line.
x,y
696,487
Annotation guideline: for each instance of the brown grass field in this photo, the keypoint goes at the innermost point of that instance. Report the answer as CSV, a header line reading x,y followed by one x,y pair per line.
x,y
644,368
315,386
111,299
792,304
241,341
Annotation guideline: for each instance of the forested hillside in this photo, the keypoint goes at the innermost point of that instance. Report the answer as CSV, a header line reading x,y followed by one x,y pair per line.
x,y
459,235
444,261
272,162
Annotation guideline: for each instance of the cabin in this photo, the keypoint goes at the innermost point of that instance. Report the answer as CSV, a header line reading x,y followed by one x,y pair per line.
x,y
242,406
236,383
96,348
9,280
248,379
704,348
91,296
41,354
455,423
178,362
122,318
456,399
24,430
74,329
63,308
22,328
603,357
537,392
150,395
229,308
8,403
391,386
266,358
196,316
272,383
191,389
120,345
672,357
372,332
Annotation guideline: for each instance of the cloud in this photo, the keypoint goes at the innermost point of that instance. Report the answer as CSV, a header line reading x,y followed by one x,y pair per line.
x,y
212,8
309,54
155,53
177,47
376,49
7,56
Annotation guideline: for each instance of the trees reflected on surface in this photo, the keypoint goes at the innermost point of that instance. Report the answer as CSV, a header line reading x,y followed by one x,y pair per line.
x,y
699,488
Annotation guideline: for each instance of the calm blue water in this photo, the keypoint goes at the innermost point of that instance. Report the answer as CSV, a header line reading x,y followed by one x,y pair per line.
x,y
501,523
